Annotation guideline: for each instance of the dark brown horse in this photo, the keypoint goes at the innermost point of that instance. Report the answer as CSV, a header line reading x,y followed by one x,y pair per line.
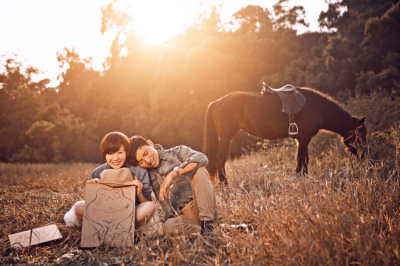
x,y
244,110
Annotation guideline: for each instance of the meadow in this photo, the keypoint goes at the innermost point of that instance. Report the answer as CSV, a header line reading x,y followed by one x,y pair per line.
x,y
345,212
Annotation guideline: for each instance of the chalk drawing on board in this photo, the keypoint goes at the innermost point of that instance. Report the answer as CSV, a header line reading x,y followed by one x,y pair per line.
x,y
35,236
107,211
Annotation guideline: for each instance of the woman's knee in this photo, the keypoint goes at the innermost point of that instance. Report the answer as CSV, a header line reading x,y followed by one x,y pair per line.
x,y
79,212
145,211
150,207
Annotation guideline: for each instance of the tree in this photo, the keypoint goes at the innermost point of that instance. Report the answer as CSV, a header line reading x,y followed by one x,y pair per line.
x,y
19,101
330,18
288,17
254,19
78,91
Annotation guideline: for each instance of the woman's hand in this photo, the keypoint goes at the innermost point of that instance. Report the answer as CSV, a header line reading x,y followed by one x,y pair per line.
x,y
139,186
94,181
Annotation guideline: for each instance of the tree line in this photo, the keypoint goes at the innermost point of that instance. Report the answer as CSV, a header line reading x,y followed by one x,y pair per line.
x,y
162,92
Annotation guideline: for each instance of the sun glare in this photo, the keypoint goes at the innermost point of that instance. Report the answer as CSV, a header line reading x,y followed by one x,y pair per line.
x,y
158,20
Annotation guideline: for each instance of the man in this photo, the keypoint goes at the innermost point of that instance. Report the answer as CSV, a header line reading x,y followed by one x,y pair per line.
x,y
181,184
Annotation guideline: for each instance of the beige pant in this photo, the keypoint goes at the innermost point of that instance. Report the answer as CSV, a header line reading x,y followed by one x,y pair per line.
x,y
203,207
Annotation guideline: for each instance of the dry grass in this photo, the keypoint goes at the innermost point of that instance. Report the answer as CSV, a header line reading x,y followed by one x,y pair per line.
x,y
344,212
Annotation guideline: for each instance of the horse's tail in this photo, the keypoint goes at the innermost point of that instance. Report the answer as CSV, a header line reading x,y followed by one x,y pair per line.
x,y
211,142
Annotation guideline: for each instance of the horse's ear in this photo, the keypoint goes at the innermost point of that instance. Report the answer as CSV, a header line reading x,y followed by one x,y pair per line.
x,y
362,121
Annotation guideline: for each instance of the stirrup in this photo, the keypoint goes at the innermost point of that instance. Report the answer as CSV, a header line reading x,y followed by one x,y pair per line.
x,y
293,132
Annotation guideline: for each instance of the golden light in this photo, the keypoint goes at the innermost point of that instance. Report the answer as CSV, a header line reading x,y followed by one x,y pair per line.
x,y
158,20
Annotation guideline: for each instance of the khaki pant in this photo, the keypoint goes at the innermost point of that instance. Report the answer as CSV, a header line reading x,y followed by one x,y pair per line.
x,y
203,207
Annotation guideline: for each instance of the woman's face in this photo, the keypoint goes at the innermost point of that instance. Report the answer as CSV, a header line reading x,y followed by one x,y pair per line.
x,y
117,159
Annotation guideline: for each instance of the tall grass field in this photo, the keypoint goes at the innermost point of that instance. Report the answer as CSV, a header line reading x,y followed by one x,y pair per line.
x,y
346,211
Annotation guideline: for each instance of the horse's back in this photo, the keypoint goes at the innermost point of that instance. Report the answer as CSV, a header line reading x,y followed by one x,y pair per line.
x,y
237,96
261,115
244,110
236,103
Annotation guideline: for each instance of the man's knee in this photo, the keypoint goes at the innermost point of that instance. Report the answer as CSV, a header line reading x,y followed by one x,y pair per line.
x,y
201,175
202,171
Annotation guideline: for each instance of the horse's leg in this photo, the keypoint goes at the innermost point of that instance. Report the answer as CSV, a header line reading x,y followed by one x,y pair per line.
x,y
302,156
224,144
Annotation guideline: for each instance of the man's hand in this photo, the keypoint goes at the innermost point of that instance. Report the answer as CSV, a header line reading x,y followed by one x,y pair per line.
x,y
139,186
165,186
94,181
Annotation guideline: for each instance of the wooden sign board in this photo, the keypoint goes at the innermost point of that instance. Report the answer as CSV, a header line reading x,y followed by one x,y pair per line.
x,y
35,236
109,216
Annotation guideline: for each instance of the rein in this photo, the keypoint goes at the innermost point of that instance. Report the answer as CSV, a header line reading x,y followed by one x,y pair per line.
x,y
357,135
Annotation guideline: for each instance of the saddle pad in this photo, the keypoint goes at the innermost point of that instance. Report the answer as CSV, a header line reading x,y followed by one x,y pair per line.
x,y
292,102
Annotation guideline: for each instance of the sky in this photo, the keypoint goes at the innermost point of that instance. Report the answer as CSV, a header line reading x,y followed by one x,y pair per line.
x,y
37,30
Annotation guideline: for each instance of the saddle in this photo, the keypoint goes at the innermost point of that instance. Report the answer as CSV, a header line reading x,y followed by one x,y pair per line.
x,y
292,102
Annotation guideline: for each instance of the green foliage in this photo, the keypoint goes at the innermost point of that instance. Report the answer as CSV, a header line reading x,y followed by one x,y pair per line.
x,y
33,131
162,92
289,17
254,19
381,109
385,144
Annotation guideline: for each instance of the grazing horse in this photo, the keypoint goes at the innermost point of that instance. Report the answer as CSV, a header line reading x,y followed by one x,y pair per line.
x,y
244,110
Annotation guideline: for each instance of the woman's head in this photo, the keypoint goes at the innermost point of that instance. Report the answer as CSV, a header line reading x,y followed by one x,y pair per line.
x,y
114,148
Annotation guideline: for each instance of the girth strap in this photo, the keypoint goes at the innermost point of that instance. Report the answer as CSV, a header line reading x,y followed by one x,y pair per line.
x,y
292,102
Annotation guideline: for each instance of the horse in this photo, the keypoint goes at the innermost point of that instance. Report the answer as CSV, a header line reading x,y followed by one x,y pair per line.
x,y
245,110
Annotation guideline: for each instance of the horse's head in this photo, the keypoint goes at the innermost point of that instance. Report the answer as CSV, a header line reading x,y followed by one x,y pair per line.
x,y
358,135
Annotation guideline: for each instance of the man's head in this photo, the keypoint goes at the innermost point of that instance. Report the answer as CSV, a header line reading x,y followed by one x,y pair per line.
x,y
143,153
115,147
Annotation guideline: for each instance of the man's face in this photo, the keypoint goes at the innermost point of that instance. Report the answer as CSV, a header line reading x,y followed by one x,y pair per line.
x,y
147,156
117,159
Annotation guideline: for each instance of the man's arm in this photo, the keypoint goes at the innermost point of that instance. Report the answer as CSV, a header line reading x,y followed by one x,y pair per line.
x,y
156,180
188,156
192,160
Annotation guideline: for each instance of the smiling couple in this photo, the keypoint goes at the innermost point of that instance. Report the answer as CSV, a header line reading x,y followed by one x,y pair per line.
x,y
177,176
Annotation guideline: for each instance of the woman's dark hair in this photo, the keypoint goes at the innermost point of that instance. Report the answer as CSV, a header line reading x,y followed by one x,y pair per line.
x,y
112,142
136,143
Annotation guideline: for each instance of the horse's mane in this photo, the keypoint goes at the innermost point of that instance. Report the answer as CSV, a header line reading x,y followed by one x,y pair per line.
x,y
328,105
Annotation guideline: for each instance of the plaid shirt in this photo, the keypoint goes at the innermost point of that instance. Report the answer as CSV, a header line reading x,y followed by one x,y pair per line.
x,y
180,193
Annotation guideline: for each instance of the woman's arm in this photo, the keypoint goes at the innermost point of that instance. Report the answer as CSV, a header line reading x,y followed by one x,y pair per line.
x,y
143,176
139,191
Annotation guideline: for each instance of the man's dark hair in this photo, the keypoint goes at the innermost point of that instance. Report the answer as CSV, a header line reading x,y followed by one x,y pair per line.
x,y
136,143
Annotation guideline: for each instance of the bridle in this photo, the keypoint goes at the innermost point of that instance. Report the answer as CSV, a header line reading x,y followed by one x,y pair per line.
x,y
357,138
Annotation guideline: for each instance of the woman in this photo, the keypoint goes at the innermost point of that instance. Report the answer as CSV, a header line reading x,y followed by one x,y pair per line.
x,y
115,148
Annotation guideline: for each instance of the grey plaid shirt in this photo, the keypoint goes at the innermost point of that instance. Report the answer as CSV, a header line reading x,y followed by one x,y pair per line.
x,y
180,193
